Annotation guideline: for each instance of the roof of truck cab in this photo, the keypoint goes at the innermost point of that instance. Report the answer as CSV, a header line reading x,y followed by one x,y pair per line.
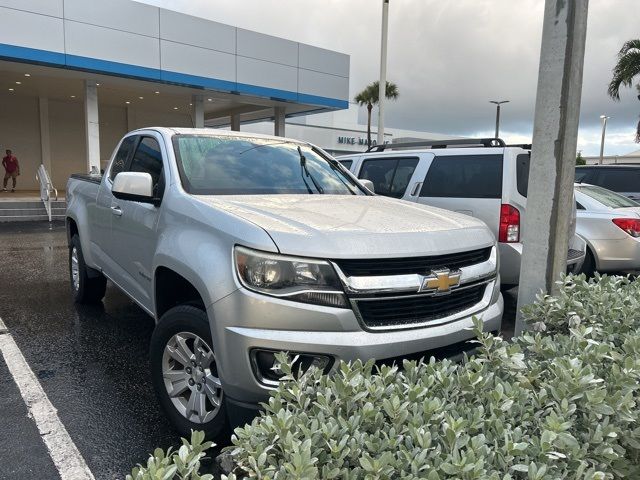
x,y
218,133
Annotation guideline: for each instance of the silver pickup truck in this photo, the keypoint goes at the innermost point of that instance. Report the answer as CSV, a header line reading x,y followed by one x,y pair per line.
x,y
241,246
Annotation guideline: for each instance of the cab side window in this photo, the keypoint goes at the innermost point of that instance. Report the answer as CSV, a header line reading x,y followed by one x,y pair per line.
x,y
390,176
148,159
122,156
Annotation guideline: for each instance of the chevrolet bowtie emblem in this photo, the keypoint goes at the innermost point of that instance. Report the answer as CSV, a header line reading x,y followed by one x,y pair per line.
x,y
441,281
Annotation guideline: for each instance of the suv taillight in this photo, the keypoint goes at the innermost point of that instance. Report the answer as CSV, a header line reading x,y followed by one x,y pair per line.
x,y
509,231
629,225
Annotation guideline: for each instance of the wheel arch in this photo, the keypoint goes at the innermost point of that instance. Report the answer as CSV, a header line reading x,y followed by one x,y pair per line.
x,y
172,288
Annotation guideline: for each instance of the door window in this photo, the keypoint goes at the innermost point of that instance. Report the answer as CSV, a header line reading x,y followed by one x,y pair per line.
x,y
619,179
120,160
148,159
346,163
390,176
464,176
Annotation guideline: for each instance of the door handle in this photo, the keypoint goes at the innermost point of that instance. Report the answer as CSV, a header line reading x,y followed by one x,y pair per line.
x,y
416,189
115,209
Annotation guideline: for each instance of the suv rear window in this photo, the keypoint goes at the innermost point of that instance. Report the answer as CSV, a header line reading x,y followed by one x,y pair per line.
x,y
618,179
390,176
464,176
523,161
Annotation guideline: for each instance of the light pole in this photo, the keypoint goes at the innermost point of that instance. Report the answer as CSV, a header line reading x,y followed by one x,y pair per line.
x,y
498,103
382,87
604,119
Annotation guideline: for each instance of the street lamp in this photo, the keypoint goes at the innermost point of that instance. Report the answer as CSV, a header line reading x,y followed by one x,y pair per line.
x,y
604,119
498,103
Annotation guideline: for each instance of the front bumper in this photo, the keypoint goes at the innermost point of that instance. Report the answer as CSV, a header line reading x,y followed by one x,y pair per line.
x,y
245,320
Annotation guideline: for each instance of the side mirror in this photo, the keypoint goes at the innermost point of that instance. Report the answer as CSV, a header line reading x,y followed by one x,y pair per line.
x,y
368,184
135,186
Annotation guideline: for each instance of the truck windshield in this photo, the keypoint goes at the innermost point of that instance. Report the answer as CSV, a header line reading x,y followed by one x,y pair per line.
x,y
223,165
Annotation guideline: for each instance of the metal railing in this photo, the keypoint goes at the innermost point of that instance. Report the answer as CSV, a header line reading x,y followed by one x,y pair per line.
x,y
46,188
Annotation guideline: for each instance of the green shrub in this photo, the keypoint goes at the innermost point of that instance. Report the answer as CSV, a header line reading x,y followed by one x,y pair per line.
x,y
183,464
558,402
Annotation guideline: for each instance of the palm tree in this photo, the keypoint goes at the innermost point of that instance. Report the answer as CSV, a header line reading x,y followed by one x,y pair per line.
x,y
627,68
370,96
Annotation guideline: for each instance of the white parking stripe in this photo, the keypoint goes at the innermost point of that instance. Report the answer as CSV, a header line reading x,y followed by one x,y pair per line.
x,y
63,452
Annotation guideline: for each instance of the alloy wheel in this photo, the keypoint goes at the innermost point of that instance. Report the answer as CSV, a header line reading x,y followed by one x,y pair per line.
x,y
191,377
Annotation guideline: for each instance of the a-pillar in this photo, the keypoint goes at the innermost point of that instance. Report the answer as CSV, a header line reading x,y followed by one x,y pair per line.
x,y
197,111
45,138
92,126
278,121
235,122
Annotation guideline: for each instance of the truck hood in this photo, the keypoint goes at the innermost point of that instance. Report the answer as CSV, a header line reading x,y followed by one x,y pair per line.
x,y
340,226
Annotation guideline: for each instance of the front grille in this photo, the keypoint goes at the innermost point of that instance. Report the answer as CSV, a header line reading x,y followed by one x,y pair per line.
x,y
419,309
419,265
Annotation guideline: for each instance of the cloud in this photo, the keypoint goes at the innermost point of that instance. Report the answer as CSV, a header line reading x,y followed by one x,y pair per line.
x,y
449,58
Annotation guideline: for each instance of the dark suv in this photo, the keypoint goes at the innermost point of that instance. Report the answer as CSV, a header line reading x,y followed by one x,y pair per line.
x,y
624,179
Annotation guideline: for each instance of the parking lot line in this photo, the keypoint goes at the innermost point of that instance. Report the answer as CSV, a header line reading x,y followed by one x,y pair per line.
x,y
64,453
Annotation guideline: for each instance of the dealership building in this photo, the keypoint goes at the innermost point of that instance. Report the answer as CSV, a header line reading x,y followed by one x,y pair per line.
x,y
339,132
75,75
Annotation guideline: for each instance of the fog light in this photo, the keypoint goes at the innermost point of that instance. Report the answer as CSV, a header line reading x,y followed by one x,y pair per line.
x,y
266,369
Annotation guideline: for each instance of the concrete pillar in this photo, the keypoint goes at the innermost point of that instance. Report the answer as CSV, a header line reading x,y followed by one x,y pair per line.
x,y
197,111
278,121
45,140
553,153
235,122
131,118
92,126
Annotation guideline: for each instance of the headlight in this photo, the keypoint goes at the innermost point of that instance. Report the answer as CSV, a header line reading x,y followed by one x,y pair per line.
x,y
298,279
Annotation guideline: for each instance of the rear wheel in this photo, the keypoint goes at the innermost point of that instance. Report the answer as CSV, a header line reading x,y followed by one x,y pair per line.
x,y
589,264
88,285
185,373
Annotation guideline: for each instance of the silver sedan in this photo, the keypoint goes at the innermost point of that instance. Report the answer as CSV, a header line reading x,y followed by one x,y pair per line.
x,y
610,224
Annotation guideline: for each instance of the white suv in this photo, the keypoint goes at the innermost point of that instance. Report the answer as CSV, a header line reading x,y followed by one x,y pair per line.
x,y
483,178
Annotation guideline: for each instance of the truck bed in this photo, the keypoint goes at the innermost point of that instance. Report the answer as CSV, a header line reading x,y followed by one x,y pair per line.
x,y
95,178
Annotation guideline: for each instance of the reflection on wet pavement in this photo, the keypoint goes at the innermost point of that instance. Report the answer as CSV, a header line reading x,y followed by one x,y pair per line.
x,y
92,361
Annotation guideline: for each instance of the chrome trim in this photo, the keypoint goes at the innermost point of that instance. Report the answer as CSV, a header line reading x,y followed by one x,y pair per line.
x,y
413,282
476,309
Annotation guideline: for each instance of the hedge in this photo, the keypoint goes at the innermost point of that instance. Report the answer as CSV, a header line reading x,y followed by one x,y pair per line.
x,y
558,402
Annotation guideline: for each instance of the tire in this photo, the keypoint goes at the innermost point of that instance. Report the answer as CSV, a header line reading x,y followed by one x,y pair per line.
x,y
589,264
87,285
194,381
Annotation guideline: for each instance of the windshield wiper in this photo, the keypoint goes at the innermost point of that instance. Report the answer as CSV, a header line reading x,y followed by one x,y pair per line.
x,y
305,171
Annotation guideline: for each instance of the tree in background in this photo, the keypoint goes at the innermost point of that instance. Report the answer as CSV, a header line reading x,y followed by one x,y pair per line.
x,y
370,96
627,68
580,159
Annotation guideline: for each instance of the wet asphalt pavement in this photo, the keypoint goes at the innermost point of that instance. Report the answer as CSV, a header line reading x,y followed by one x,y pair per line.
x,y
92,362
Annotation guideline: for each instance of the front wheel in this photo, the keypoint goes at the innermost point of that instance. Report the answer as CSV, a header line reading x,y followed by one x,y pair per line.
x,y
185,373
88,286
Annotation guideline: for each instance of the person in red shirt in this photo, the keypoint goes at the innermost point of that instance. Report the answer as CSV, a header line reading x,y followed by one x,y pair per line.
x,y
11,170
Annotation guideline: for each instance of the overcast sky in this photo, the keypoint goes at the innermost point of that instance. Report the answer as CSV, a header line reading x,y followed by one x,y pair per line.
x,y
449,58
